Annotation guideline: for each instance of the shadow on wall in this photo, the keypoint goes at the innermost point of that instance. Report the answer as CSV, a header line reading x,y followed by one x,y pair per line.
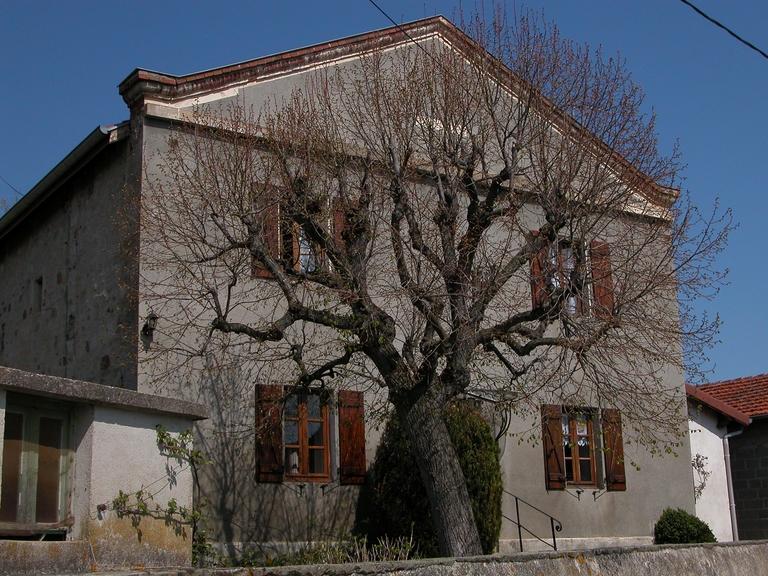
x,y
241,509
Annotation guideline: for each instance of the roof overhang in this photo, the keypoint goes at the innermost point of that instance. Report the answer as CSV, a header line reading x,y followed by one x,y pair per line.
x,y
698,395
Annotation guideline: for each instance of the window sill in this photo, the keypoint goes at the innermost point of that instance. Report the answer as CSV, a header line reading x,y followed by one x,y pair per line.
x,y
299,478
15,529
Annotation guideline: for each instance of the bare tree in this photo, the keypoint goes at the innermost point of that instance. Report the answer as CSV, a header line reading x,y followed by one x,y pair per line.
x,y
486,213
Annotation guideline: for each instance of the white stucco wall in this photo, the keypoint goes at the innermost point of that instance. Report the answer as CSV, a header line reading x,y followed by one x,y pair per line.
x,y
707,439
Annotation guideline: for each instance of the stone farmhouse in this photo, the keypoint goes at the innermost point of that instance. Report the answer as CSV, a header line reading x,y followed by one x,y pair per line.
x,y
79,299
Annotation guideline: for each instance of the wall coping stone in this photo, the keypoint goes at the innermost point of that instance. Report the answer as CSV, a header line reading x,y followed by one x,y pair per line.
x,y
744,558
78,391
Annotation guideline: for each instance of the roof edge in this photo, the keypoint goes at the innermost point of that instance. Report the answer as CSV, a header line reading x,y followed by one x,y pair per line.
x,y
142,82
98,139
695,393
80,391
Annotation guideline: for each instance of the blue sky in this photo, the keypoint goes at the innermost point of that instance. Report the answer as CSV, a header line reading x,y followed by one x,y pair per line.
x,y
60,64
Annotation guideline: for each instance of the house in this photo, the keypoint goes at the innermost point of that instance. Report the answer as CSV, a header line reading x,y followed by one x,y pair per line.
x,y
85,295
742,407
712,424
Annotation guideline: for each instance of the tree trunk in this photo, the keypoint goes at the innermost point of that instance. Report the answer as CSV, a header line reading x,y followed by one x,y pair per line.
x,y
423,421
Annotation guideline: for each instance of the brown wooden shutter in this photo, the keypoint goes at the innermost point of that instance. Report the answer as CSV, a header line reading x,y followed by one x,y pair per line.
x,y
615,478
554,459
351,437
602,284
269,433
270,234
538,278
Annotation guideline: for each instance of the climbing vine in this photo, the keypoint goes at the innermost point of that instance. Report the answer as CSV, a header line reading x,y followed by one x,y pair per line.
x,y
142,502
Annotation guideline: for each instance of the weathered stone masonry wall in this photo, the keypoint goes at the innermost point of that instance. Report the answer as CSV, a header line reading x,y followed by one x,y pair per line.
x,y
65,301
731,559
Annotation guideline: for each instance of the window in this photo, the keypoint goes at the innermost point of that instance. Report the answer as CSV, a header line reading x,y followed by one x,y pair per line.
x,y
305,436
564,266
35,464
294,439
289,243
578,447
571,449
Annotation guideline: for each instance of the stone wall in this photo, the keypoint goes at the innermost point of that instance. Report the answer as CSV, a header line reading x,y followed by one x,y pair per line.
x,y
730,559
749,469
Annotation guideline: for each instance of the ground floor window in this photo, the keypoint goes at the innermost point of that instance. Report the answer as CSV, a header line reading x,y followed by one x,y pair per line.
x,y
305,434
35,463
309,435
578,447
583,447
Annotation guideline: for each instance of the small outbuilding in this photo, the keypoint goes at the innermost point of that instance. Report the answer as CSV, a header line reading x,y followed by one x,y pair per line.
x,y
93,476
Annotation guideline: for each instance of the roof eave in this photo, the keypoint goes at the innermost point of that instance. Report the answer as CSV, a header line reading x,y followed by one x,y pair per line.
x,y
142,82
713,403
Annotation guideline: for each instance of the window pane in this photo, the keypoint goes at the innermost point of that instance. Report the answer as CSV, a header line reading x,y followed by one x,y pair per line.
x,y
9,505
566,253
307,261
566,427
583,448
317,461
314,407
585,470
567,448
569,470
291,409
48,462
291,432
315,433
572,305
581,425
291,460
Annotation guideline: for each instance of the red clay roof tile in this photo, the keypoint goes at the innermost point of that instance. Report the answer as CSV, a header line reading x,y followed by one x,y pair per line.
x,y
748,395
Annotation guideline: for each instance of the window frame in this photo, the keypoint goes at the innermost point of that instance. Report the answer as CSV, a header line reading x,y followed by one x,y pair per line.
x,y
571,443
286,240
303,447
590,284
346,433
558,274
27,467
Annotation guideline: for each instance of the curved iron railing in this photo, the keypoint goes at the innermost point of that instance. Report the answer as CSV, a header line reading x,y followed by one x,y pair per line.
x,y
554,523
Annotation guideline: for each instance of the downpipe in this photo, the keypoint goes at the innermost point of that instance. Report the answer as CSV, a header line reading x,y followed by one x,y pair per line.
x,y
729,481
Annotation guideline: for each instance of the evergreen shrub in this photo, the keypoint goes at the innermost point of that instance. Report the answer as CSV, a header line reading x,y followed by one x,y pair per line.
x,y
400,505
679,527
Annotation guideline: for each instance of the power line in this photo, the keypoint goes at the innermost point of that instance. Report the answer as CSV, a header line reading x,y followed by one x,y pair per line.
x,y
9,186
403,31
731,32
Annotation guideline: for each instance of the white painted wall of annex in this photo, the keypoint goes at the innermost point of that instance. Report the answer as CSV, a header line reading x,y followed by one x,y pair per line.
x,y
707,439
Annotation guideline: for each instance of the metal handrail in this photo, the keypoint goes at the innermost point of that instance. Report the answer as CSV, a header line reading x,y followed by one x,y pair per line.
x,y
554,524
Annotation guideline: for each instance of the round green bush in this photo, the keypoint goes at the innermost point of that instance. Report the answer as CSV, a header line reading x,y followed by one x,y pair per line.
x,y
400,506
679,527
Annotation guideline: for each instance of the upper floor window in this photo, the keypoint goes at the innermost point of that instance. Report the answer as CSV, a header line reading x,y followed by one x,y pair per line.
x,y
582,276
289,243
